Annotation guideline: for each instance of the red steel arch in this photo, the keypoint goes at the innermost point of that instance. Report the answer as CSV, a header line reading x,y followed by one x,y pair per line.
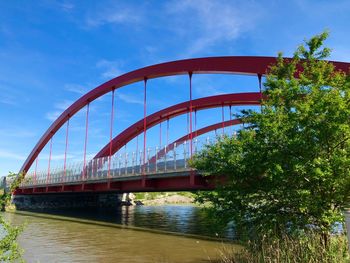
x,y
250,98
232,65
195,134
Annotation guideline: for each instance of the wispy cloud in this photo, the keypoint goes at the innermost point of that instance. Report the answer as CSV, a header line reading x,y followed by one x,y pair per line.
x,y
8,93
115,14
8,100
63,105
11,155
66,6
17,133
59,108
76,88
52,115
110,68
129,98
204,23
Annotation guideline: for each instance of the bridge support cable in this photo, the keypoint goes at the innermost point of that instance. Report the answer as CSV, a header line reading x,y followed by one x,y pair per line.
x,y
36,169
85,142
110,139
160,134
195,122
137,149
230,113
63,179
190,113
192,172
184,139
260,88
167,141
144,131
188,125
223,119
195,132
167,131
49,165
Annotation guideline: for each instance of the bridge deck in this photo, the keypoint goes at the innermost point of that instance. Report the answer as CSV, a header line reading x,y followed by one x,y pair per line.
x,y
163,176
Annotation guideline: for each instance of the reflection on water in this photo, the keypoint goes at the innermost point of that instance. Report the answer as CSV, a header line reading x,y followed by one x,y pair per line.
x,y
54,240
172,218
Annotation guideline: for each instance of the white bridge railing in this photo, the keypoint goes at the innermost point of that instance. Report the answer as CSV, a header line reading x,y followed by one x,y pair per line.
x,y
158,160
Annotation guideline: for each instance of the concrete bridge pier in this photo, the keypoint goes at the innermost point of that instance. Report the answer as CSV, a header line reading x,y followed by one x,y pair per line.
x,y
69,201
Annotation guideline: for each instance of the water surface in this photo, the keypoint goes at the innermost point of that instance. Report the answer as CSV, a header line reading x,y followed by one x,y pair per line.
x,y
86,236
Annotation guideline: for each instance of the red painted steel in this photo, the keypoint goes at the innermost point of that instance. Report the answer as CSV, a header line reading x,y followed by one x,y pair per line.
x,y
259,79
86,138
223,119
156,184
231,65
160,133
111,136
252,98
230,112
65,153
167,131
144,131
49,166
195,134
190,113
195,120
36,168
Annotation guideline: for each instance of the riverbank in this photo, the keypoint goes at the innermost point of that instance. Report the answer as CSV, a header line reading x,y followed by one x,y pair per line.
x,y
308,247
165,198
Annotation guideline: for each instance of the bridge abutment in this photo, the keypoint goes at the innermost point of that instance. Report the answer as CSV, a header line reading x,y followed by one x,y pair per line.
x,y
69,201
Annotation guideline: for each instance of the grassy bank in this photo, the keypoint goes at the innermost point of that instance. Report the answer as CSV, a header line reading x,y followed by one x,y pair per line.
x,y
308,249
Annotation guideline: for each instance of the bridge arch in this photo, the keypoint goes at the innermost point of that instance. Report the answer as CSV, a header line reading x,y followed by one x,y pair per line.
x,y
238,99
195,134
232,65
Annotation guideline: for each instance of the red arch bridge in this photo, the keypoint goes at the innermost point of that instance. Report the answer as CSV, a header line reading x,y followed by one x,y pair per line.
x,y
147,168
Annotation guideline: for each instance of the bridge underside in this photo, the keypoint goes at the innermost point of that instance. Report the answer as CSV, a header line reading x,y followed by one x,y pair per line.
x,y
175,181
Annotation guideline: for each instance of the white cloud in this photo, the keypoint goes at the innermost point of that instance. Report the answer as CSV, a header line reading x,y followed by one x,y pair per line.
x,y
11,155
110,68
8,100
115,14
207,90
63,105
60,107
129,98
66,6
16,132
205,23
53,115
76,88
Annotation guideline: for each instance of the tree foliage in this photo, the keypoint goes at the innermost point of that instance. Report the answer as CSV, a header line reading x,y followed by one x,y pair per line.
x,y
9,249
289,169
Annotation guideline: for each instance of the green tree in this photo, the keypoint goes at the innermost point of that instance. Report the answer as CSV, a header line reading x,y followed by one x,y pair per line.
x,y
9,249
290,167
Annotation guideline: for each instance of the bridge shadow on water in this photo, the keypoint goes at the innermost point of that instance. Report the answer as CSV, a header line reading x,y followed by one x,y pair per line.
x,y
183,220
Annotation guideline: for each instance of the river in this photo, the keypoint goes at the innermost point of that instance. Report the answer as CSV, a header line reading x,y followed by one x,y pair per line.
x,y
133,234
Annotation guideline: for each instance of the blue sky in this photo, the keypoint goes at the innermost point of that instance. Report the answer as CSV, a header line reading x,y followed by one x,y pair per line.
x,y
52,52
